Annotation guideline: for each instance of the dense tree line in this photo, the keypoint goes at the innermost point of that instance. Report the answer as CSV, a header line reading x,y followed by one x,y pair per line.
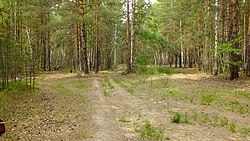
x,y
210,34
93,35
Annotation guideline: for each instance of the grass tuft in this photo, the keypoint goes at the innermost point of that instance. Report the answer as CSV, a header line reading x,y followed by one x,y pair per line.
x,y
123,119
176,117
232,127
207,99
148,132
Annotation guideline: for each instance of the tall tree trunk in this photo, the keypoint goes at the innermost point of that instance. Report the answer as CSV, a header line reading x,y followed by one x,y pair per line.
x,y
215,66
245,37
133,33
181,47
84,50
83,47
78,32
129,67
49,52
115,46
97,50
233,32
248,43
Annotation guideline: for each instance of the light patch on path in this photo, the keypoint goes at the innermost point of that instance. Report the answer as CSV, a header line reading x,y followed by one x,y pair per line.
x,y
104,116
179,76
189,76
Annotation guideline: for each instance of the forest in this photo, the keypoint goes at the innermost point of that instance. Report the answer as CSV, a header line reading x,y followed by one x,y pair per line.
x,y
125,70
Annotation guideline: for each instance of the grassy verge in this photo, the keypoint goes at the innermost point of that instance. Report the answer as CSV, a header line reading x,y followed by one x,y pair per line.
x,y
123,85
107,87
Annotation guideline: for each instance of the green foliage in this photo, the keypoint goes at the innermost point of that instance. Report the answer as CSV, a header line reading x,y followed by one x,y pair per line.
x,y
18,86
155,70
227,48
148,132
142,59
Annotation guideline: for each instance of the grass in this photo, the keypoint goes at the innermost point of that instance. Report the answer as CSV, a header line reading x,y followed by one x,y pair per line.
x,y
107,80
176,117
123,119
121,83
107,87
165,71
232,127
207,99
80,84
245,130
148,132
218,95
106,93
58,122
242,93
235,106
155,70
186,118
213,120
224,121
118,81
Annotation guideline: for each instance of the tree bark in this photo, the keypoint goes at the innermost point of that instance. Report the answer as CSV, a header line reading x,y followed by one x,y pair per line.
x,y
97,50
248,43
233,32
83,47
129,67
215,66
133,33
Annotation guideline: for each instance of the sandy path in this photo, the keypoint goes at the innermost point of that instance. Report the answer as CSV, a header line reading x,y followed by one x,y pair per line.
x,y
104,117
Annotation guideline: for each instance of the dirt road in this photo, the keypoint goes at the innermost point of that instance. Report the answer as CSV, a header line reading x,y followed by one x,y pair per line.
x,y
110,107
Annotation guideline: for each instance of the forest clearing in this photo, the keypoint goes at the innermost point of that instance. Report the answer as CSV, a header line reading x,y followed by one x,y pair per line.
x,y
110,106
125,70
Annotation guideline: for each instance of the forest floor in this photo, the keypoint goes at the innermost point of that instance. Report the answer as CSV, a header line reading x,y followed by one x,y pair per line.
x,y
184,106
